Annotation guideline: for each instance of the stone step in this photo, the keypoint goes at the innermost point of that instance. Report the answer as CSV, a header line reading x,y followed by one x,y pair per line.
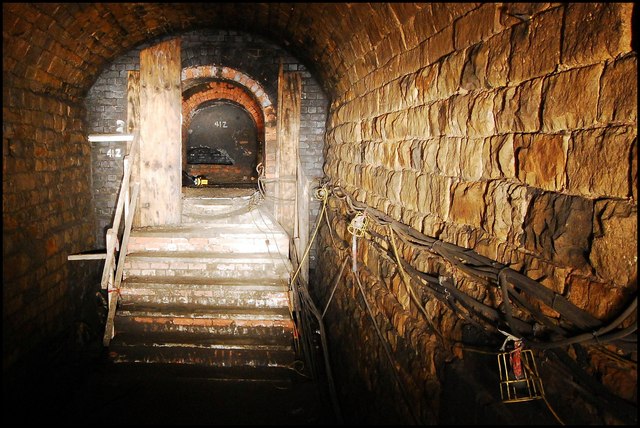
x,y
225,238
229,292
203,355
207,265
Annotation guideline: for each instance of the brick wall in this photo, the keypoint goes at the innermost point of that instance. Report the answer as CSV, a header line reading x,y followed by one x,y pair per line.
x,y
252,56
46,214
515,137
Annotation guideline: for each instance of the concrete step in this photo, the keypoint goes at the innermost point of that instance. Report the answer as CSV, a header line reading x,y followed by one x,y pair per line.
x,y
204,215
226,210
197,315
142,327
210,293
204,339
207,265
282,376
208,337
224,238
228,292
203,355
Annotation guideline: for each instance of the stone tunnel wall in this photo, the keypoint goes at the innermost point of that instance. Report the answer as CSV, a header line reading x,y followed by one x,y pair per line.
x,y
510,130
107,102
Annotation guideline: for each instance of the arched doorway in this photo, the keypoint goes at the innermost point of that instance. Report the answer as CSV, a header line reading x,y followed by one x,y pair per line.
x,y
223,144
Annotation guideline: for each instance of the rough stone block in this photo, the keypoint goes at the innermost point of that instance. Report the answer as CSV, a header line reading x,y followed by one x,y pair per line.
x,y
395,125
405,157
517,109
448,157
430,155
436,44
498,157
506,208
475,26
437,110
408,89
390,155
471,158
599,162
481,119
468,205
418,122
458,115
505,103
474,69
558,227
434,195
594,32
571,99
449,76
497,50
595,297
614,252
619,92
541,159
535,46
409,191
426,83
514,13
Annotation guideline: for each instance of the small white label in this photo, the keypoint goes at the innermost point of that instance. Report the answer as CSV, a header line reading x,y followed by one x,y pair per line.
x,y
114,153
220,123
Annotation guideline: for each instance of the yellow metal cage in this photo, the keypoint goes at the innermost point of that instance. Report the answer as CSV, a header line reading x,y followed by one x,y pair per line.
x,y
519,380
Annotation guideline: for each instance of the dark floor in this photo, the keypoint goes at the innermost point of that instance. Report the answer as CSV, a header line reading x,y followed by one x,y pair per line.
x,y
85,389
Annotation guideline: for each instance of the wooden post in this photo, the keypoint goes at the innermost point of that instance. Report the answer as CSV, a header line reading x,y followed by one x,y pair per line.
x,y
289,97
160,135
302,224
133,127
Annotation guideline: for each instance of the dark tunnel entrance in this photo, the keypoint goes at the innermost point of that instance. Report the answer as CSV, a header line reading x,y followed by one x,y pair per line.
x,y
222,145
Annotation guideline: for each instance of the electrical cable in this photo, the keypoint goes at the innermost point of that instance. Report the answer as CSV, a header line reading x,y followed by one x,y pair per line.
x,y
412,292
385,345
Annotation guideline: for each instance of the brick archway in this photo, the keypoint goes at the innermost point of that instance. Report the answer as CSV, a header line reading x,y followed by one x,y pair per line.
x,y
230,84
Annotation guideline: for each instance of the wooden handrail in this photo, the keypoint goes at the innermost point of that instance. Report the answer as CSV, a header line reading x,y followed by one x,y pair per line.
x,y
127,202
114,290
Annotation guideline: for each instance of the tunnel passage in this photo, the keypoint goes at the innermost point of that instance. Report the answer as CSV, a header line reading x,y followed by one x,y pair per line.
x,y
222,144
509,129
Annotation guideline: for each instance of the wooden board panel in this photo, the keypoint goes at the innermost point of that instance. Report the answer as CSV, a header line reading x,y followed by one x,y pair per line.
x,y
289,99
160,134
133,127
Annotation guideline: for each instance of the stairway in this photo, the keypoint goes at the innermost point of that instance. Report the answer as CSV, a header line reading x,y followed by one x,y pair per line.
x,y
211,293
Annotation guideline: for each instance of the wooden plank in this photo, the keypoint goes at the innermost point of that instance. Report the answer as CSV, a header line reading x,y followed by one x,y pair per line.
x,y
160,135
133,101
111,240
289,100
133,127
100,256
103,138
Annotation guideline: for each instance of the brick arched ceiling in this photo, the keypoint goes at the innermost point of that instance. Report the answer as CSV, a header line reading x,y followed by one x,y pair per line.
x,y
61,48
